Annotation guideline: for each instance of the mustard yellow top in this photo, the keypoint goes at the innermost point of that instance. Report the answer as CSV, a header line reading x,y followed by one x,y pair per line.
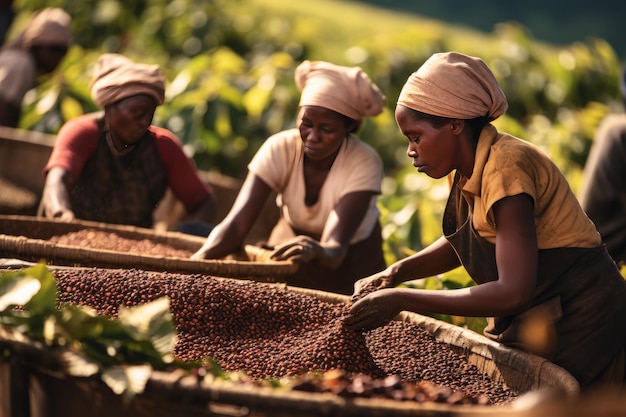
x,y
507,166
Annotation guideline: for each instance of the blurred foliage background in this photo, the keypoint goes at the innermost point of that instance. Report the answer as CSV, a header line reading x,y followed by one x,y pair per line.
x,y
229,66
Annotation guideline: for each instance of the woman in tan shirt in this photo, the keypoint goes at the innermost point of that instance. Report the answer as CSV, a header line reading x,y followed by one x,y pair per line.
x,y
512,221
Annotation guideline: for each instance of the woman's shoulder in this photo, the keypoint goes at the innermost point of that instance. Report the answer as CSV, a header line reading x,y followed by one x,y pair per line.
x,y
288,136
510,146
83,124
285,142
169,145
17,58
516,158
165,137
356,145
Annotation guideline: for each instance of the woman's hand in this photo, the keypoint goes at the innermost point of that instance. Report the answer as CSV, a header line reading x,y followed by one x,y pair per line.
x,y
300,249
55,197
375,282
372,311
63,214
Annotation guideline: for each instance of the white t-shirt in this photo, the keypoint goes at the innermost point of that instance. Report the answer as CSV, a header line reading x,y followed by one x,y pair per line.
x,y
280,164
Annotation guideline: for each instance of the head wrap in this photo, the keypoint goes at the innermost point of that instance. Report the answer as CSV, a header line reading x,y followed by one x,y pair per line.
x,y
49,26
117,77
456,86
346,90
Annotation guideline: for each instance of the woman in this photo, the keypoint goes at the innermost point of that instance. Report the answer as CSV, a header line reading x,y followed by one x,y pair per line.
x,y
114,166
327,181
544,277
37,51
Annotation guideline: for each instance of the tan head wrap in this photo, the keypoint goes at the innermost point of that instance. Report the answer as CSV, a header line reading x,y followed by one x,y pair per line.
x,y
456,86
50,26
346,90
117,77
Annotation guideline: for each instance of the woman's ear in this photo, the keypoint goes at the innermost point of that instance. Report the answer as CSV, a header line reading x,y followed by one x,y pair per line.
x,y
457,126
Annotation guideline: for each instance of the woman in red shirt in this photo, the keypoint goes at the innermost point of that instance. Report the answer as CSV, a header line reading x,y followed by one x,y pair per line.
x,y
114,166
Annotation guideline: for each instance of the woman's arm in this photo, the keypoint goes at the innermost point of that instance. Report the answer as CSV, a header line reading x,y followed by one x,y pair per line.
x,y
205,210
516,258
55,199
227,237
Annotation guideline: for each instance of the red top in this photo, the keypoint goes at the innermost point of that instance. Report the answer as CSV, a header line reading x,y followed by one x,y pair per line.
x,y
77,141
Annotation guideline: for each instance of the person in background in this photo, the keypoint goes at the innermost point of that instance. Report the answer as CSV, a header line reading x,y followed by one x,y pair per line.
x,y
37,51
327,182
603,193
544,279
114,166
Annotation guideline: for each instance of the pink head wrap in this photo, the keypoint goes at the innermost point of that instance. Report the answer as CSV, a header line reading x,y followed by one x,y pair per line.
x,y
49,26
456,86
348,91
117,77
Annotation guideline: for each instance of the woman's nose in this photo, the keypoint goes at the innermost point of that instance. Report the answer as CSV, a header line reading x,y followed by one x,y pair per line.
x,y
311,135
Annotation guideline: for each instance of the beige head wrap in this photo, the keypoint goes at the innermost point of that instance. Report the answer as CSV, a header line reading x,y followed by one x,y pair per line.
x,y
456,86
346,90
117,77
50,26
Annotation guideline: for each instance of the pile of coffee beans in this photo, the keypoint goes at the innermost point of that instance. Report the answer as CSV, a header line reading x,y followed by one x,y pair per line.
x,y
105,240
269,331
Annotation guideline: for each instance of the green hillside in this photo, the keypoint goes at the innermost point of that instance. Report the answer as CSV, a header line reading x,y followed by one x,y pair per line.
x,y
548,21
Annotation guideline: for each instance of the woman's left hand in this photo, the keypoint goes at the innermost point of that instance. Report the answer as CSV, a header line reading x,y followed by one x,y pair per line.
x,y
372,311
300,249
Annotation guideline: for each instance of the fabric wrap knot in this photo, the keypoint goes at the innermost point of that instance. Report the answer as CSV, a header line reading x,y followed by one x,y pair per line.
x,y
456,86
345,90
117,77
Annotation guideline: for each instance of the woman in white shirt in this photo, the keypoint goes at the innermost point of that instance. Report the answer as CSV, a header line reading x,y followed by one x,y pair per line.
x,y
327,182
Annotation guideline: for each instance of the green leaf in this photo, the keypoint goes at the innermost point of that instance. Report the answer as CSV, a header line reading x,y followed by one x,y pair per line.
x,y
127,380
151,322
34,288
77,364
70,108
17,290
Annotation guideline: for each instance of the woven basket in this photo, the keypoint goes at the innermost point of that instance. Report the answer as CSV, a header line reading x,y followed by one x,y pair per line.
x,y
27,238
169,394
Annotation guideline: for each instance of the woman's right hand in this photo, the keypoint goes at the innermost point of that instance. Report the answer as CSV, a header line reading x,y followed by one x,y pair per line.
x,y
55,199
63,214
367,285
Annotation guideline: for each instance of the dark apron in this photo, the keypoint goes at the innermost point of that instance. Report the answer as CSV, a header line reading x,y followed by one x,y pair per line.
x,y
363,259
123,189
579,290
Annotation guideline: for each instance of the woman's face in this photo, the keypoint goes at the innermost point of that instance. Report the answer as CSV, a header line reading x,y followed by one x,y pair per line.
x,y
322,131
130,118
48,57
433,149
